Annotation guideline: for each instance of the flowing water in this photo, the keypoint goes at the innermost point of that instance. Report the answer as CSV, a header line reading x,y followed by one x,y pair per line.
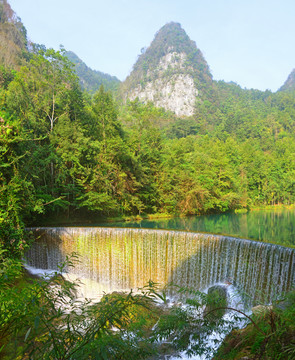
x,y
121,259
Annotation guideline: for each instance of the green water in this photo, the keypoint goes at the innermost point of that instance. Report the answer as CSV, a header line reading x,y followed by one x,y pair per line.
x,y
273,226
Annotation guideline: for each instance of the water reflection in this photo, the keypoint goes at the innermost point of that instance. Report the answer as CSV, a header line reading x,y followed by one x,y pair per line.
x,y
274,226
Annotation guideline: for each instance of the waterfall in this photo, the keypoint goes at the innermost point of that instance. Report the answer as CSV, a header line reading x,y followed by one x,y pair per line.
x,y
123,259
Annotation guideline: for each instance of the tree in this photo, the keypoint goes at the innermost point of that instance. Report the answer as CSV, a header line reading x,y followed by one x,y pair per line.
x,y
43,91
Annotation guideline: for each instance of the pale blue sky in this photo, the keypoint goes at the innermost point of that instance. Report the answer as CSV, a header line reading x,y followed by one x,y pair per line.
x,y
250,42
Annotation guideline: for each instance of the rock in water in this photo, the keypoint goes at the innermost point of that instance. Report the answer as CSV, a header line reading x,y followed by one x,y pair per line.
x,y
217,298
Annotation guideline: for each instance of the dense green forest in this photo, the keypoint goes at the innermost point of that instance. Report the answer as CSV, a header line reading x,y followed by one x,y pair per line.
x,y
66,153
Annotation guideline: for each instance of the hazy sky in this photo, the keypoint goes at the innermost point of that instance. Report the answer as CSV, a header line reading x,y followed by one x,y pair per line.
x,y
250,42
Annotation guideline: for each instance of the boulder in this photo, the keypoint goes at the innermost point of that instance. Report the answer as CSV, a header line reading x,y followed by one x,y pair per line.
x,y
217,298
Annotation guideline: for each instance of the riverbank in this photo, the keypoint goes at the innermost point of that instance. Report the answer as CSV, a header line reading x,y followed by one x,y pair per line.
x,y
270,336
95,220
158,216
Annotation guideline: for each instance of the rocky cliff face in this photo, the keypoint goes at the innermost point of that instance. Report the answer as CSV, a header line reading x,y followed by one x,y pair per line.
x,y
170,87
13,37
171,73
289,84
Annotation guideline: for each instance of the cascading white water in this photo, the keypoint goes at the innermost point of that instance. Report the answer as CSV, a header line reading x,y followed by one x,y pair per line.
x,y
121,259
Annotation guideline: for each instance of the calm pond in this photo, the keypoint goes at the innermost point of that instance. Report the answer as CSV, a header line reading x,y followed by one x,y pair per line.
x,y
273,226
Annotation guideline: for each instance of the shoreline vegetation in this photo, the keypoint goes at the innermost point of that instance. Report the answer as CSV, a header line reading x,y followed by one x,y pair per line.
x,y
158,216
170,216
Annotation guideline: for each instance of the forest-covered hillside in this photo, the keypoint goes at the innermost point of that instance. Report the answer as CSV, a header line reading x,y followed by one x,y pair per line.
x,y
71,155
91,80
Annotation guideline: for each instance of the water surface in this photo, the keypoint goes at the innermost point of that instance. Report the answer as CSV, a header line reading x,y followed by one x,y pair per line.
x,y
273,226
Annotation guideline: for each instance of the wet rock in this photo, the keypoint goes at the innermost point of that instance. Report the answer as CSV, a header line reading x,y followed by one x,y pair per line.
x,y
217,299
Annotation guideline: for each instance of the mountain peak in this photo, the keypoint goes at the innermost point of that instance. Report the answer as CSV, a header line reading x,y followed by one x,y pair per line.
x,y
171,35
171,72
171,38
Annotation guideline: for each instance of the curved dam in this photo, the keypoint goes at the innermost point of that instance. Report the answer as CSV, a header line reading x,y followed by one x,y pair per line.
x,y
123,259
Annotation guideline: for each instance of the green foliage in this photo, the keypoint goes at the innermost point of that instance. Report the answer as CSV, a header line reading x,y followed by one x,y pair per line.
x,y
12,238
65,153
6,76
17,198
43,91
42,319
275,340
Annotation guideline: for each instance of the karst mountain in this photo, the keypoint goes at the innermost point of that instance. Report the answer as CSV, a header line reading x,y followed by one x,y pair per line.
x,y
172,73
